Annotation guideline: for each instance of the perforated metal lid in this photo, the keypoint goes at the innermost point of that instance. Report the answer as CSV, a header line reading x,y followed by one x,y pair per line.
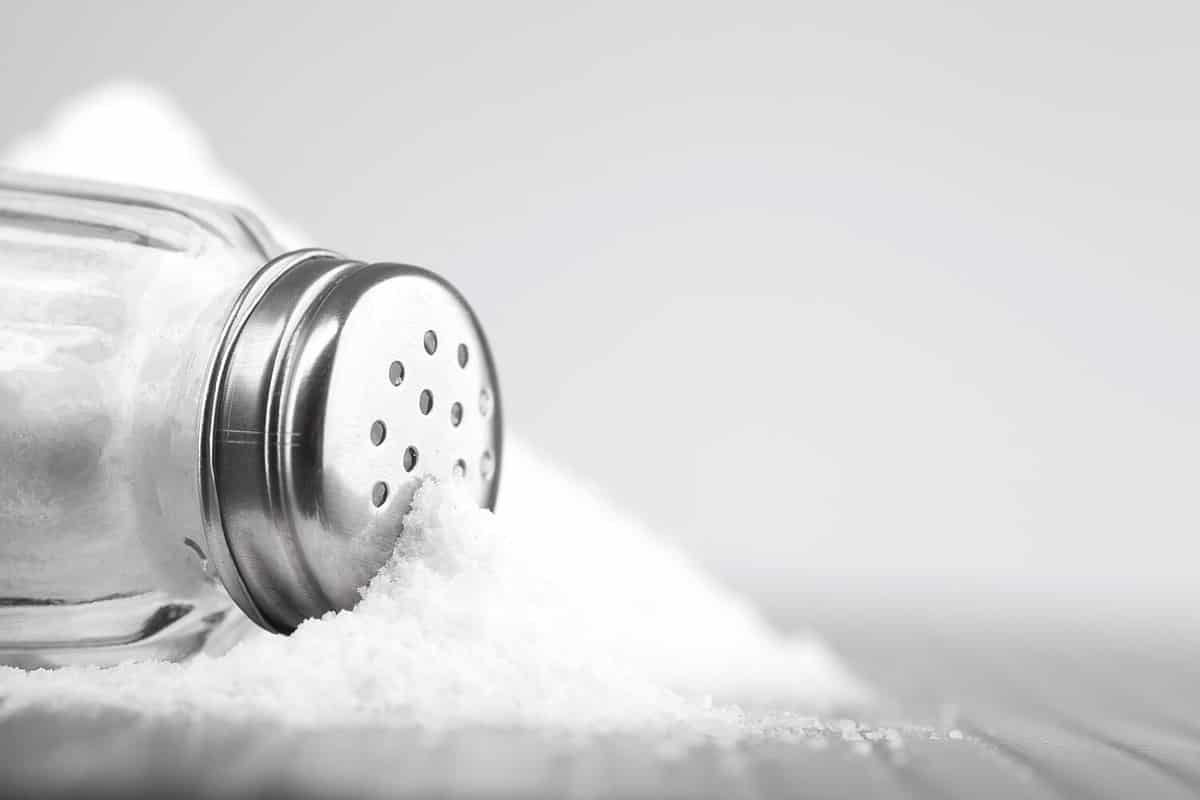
x,y
337,386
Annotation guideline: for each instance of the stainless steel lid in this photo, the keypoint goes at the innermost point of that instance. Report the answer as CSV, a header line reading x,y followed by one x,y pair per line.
x,y
337,386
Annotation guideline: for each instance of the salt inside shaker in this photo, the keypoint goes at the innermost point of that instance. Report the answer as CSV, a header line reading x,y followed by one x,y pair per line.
x,y
193,422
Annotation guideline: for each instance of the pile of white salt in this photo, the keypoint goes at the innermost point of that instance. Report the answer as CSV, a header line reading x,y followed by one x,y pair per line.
x,y
572,618
559,612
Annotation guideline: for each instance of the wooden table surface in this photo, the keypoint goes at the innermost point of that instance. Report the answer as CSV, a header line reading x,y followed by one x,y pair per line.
x,y
1041,706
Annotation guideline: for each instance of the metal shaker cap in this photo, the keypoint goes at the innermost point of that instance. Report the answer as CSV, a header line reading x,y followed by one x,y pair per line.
x,y
337,386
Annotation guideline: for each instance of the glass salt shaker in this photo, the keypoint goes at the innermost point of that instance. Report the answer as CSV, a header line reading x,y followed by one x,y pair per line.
x,y
197,428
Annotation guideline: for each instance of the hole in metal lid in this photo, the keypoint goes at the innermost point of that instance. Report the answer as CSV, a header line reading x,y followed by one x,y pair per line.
x,y
456,414
410,458
378,432
485,402
379,494
460,469
426,401
396,373
462,355
430,342
487,465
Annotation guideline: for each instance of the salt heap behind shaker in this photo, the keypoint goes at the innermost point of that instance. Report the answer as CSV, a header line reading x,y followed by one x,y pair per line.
x,y
191,417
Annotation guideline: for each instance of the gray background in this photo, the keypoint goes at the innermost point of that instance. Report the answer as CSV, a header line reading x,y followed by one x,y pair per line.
x,y
874,294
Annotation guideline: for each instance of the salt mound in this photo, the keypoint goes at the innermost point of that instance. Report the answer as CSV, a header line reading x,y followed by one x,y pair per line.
x,y
457,629
557,612
569,620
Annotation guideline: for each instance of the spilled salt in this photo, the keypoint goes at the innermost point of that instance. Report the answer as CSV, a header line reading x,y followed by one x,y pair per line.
x,y
559,621
557,612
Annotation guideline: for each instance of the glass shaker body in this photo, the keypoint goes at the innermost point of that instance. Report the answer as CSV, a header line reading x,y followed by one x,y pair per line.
x,y
199,432
111,302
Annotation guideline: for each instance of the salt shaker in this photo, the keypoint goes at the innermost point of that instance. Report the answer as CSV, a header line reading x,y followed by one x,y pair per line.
x,y
197,428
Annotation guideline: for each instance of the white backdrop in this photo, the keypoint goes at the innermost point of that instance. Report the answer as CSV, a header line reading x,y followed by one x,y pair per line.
x,y
870,290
